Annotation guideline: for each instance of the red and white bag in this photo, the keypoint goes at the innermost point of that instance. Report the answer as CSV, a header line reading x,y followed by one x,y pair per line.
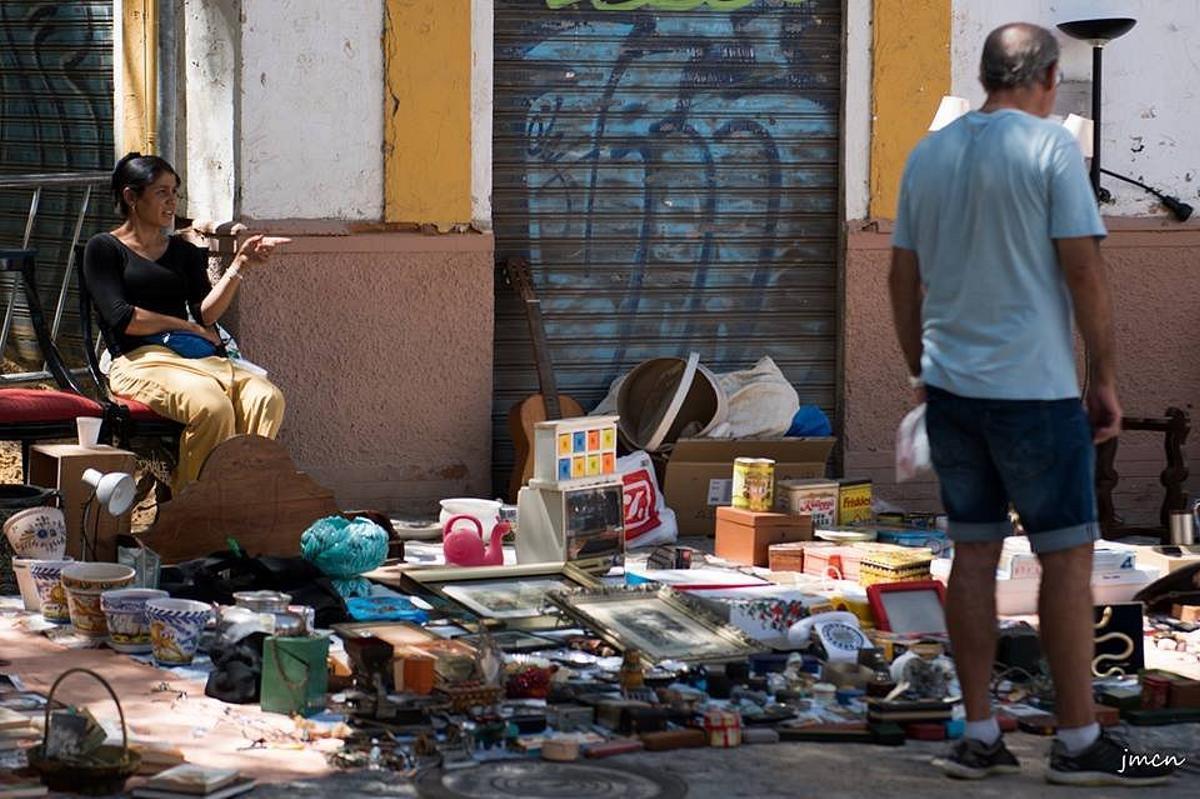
x,y
648,520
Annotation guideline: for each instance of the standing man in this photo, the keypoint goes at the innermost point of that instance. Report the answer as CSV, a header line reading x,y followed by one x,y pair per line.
x,y
996,241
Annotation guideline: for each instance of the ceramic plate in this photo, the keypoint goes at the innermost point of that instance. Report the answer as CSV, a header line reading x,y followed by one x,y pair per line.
x,y
845,536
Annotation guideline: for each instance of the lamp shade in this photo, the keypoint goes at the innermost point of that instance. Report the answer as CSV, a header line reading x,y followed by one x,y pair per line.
x,y
1098,32
950,109
116,491
1081,128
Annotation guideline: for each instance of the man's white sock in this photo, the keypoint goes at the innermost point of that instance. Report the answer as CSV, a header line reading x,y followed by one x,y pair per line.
x,y
1077,739
987,732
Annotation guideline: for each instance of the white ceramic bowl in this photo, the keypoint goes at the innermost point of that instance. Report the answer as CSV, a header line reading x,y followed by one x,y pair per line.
x,y
37,533
487,511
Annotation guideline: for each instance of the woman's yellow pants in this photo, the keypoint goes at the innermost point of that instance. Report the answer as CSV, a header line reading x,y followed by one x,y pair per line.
x,y
215,399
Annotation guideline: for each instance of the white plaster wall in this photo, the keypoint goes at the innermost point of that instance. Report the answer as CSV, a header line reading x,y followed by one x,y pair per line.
x,y
857,121
482,32
312,91
211,32
1151,81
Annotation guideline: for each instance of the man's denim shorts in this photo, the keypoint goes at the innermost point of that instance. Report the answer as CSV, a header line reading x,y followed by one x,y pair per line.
x,y
1038,455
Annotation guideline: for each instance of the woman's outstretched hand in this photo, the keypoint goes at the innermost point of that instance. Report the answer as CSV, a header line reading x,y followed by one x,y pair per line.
x,y
256,250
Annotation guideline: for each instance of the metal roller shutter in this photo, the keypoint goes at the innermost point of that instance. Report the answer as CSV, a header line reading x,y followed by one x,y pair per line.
x,y
56,115
672,177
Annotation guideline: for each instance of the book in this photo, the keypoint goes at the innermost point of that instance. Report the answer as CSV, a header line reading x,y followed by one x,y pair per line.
x,y
193,779
905,710
13,787
10,719
240,786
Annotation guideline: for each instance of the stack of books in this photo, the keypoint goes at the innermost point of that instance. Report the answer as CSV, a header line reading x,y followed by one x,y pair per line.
x,y
14,787
16,730
189,780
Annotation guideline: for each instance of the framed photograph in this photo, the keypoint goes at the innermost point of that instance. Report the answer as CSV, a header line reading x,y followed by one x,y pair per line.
x,y
512,595
515,641
659,622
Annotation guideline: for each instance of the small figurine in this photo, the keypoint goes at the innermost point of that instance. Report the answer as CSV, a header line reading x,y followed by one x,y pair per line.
x,y
631,676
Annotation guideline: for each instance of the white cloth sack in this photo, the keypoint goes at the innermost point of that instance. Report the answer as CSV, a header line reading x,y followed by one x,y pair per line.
x,y
912,446
648,520
762,402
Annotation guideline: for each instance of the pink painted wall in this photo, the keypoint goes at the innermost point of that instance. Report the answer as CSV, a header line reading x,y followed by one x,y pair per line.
x,y
382,343
1153,268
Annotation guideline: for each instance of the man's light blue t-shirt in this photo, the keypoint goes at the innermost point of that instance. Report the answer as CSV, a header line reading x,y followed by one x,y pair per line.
x,y
981,203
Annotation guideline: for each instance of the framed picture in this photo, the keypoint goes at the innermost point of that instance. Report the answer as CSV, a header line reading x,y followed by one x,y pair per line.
x,y
513,595
515,641
659,622
910,608
396,633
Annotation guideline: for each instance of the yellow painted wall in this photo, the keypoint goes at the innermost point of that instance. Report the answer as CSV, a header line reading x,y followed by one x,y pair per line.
x,y
139,66
427,123
911,72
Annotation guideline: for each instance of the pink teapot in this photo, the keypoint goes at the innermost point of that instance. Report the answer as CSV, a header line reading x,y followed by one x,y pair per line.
x,y
463,547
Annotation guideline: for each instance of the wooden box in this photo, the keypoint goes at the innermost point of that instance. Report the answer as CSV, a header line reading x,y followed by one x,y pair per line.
x,y
787,557
745,536
62,466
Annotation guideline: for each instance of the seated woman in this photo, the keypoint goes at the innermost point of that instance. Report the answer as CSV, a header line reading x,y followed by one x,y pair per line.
x,y
157,314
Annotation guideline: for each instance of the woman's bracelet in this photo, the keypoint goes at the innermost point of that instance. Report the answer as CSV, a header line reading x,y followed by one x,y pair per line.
x,y
234,271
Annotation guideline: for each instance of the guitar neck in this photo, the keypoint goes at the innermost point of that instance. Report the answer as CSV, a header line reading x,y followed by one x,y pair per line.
x,y
541,356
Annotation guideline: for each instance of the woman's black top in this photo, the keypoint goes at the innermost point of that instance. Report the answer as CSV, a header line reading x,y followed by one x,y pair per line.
x,y
119,280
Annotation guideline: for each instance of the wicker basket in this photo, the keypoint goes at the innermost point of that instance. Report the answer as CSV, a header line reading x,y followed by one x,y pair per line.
x,y
101,773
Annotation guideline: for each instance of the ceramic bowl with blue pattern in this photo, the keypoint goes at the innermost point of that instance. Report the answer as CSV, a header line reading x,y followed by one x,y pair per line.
x,y
39,533
125,614
175,628
47,577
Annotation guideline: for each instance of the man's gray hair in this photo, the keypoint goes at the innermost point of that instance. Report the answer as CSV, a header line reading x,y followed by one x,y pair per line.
x,y
1016,55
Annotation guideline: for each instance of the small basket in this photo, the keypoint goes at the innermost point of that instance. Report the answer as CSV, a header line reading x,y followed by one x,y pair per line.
x,y
101,773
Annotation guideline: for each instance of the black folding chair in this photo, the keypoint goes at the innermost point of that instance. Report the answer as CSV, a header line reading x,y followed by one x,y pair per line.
x,y
31,415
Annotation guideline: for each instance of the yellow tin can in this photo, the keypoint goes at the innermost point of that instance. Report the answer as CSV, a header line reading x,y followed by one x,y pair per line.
x,y
754,484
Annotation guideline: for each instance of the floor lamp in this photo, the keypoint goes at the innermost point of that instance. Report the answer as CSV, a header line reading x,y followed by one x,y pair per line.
x,y
1098,33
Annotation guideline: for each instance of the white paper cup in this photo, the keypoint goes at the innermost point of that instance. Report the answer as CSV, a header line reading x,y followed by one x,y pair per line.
x,y
88,428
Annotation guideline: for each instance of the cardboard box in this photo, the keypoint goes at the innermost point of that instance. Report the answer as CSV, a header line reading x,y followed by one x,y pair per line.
x,y
1186,613
1167,559
745,536
699,474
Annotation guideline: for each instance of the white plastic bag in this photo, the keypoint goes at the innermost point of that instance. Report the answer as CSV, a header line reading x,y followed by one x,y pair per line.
x,y
912,446
648,520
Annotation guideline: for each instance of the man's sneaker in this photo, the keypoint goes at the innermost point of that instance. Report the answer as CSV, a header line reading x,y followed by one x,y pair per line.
x,y
969,759
1108,762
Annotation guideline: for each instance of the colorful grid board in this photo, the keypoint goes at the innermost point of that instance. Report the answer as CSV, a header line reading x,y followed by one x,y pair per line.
x,y
570,450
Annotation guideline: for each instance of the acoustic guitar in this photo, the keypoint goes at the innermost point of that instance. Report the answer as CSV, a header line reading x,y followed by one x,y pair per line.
x,y
542,407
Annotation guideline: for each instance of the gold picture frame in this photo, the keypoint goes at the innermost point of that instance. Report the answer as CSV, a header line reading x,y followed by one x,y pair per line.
x,y
514,596
661,623
397,633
